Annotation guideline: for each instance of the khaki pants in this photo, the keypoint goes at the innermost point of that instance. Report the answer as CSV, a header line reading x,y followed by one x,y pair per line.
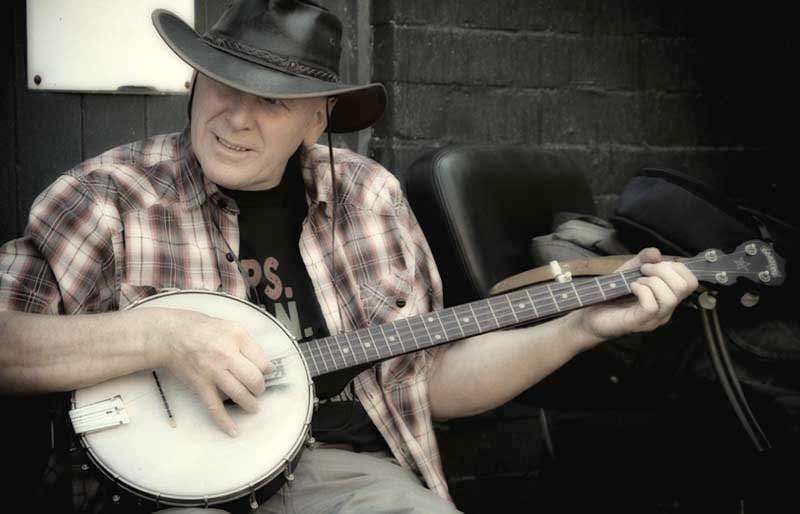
x,y
331,481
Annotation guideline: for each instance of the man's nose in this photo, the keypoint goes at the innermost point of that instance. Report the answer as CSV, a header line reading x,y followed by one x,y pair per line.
x,y
241,111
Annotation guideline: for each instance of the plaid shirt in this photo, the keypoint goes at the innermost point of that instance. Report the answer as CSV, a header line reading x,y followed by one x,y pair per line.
x,y
142,218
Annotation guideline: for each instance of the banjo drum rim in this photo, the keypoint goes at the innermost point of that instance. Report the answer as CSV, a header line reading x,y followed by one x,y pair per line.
x,y
249,488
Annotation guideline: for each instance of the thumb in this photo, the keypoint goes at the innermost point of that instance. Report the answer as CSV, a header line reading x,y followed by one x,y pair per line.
x,y
648,255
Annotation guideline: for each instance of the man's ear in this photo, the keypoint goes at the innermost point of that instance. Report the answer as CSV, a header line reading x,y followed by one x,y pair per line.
x,y
320,121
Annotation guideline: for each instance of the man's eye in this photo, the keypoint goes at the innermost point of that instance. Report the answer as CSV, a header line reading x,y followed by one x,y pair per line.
x,y
270,101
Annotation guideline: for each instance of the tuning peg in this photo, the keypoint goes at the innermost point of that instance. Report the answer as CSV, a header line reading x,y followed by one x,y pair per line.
x,y
750,299
707,301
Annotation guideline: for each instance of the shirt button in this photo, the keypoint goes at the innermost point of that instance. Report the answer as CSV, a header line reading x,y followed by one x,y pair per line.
x,y
230,257
401,302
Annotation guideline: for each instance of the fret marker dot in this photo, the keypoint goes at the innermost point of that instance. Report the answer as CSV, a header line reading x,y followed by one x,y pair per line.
x,y
430,319
367,345
612,285
437,336
345,350
466,320
521,305
564,295
391,338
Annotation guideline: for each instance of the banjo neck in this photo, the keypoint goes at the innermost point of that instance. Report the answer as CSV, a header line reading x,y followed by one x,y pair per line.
x,y
406,335
753,260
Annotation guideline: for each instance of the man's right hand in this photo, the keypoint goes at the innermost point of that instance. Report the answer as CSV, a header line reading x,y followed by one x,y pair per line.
x,y
44,353
213,357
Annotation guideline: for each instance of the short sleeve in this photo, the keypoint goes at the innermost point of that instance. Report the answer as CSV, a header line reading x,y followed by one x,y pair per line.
x,y
64,263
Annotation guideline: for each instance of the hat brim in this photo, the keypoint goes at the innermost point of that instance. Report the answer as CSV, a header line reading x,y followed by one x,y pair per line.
x,y
357,106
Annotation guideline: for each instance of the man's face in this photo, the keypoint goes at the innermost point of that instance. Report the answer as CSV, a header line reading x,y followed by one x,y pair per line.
x,y
244,141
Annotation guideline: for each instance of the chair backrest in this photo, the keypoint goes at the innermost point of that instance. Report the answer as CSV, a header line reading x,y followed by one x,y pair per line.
x,y
480,205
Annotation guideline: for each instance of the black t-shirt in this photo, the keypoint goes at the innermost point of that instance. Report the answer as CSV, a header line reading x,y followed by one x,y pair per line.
x,y
270,223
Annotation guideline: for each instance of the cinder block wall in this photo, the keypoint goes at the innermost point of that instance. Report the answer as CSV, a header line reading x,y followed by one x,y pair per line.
x,y
613,85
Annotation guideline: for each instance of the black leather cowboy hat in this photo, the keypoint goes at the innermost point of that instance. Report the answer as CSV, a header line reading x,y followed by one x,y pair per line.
x,y
276,49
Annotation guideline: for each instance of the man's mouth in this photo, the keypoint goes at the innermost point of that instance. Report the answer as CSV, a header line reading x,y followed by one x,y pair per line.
x,y
227,144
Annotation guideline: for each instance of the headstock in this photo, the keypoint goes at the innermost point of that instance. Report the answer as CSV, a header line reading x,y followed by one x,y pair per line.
x,y
754,260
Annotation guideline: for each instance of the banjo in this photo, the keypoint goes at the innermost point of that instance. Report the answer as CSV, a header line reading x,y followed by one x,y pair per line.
x,y
152,436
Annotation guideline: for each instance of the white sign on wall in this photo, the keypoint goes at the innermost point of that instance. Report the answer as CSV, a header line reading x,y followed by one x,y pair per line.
x,y
103,46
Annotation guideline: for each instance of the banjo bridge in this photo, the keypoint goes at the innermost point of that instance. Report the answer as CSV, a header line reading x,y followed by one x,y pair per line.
x,y
100,415
276,376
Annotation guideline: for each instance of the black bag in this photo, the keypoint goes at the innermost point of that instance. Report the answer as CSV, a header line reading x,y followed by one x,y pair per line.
x,y
683,215
752,332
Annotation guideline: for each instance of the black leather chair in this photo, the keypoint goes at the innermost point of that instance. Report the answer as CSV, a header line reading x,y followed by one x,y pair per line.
x,y
479,207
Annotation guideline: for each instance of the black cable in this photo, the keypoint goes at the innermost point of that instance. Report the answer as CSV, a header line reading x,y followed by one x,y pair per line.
x,y
333,252
723,351
548,440
723,379
333,219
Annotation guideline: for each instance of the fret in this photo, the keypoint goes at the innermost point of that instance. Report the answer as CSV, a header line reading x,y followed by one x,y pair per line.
x,y
562,294
497,321
413,335
611,288
490,317
577,296
584,292
322,357
372,339
516,318
443,322
555,303
425,325
334,342
334,347
596,287
310,355
345,350
474,317
570,304
628,286
533,304
498,307
398,335
371,343
375,339
445,334
341,352
466,319
521,306
392,338
458,322
363,348
601,288
366,346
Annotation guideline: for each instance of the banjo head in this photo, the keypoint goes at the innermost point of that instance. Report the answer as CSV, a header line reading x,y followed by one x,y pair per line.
x,y
195,462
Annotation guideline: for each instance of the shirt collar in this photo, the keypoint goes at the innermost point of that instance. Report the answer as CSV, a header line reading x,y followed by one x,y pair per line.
x,y
315,164
193,186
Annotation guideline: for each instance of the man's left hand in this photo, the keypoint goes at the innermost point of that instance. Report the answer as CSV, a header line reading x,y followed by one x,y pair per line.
x,y
656,295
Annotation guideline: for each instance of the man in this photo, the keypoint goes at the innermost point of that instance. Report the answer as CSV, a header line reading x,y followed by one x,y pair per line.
x,y
210,209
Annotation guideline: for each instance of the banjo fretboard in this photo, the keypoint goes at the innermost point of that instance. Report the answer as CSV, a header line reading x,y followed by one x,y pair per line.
x,y
415,333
